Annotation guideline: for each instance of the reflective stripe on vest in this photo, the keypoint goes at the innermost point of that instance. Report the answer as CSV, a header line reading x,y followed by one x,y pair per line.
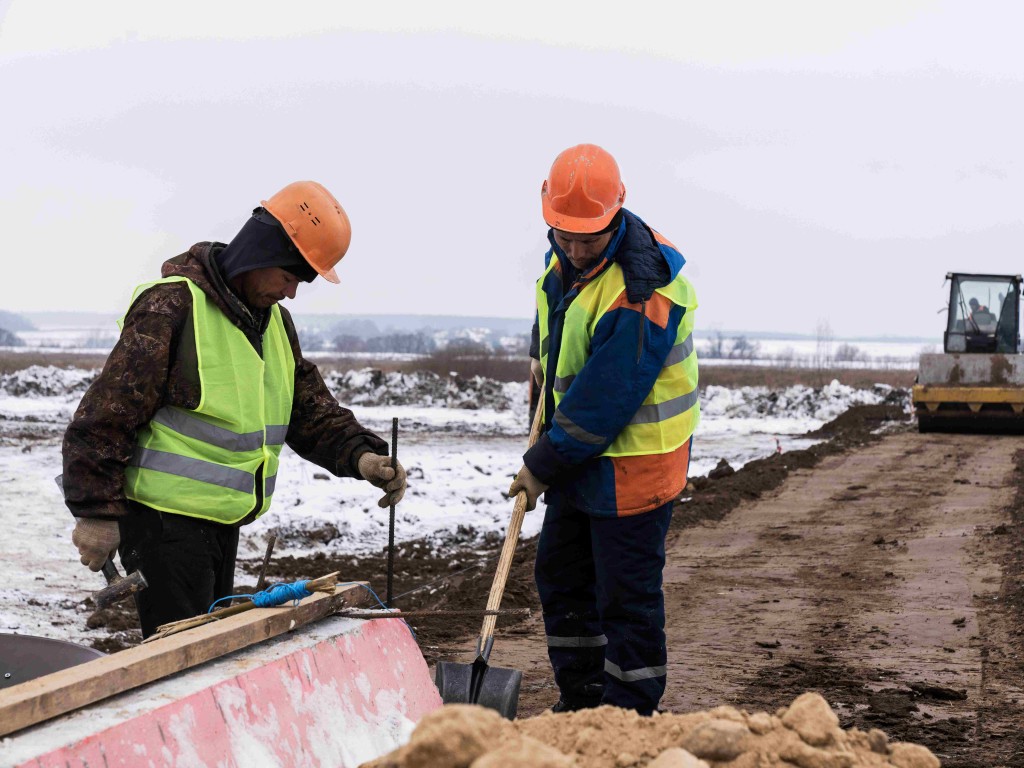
x,y
196,469
184,422
671,411
204,462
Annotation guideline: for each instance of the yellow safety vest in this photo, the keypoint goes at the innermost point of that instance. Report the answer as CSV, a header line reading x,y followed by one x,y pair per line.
x,y
205,462
671,411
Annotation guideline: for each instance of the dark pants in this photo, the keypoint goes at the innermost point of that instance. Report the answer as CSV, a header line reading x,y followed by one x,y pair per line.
x,y
599,581
187,562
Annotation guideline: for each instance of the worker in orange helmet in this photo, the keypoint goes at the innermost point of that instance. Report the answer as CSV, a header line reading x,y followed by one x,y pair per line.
x,y
613,355
177,443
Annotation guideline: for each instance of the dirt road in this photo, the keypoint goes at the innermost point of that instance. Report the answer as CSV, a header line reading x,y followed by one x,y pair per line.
x,y
887,577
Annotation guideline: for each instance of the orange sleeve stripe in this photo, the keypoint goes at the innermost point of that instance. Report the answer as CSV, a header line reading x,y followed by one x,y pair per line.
x,y
658,308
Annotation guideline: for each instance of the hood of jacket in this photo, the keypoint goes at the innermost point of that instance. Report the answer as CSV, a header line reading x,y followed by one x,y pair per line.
x,y
199,265
646,264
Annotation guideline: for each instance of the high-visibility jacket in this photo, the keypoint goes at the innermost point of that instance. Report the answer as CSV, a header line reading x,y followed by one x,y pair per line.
x,y
219,462
621,400
670,412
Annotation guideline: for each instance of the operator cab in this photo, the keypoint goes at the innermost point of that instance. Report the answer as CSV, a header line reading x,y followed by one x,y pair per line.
x,y
984,314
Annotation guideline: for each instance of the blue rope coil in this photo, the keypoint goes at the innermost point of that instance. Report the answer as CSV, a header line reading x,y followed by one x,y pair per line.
x,y
278,594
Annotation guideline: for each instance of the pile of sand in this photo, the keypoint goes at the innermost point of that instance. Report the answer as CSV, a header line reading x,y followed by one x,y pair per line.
x,y
806,735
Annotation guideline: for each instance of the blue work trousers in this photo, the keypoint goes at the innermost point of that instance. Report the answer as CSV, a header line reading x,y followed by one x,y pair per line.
x,y
599,581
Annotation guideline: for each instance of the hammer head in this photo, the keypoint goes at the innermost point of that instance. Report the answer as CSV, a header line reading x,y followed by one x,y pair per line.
x,y
119,588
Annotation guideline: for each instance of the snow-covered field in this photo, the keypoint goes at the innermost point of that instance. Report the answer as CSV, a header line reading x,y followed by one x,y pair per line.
x,y
788,352
806,353
461,442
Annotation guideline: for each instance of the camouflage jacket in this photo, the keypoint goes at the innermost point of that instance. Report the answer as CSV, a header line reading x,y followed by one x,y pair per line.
x,y
154,364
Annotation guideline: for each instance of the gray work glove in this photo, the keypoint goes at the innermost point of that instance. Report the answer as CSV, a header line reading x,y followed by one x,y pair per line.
x,y
377,470
526,481
96,540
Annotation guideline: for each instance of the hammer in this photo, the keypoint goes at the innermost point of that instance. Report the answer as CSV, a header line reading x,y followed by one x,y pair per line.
x,y
118,587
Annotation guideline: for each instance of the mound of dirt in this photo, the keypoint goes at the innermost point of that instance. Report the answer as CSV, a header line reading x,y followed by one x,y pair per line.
x,y
46,381
805,734
371,386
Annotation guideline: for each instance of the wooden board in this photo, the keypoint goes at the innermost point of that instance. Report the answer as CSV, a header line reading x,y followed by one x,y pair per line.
x,y
46,697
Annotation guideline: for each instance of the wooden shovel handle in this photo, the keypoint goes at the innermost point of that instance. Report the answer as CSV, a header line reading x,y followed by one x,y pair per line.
x,y
515,524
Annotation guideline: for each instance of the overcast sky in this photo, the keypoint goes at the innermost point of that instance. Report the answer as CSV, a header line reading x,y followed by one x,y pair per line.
x,y
814,161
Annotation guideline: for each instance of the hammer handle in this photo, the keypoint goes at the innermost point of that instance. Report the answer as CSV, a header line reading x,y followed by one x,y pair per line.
x,y
110,571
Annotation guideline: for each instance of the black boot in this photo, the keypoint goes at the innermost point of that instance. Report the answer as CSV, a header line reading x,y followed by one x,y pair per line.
x,y
588,698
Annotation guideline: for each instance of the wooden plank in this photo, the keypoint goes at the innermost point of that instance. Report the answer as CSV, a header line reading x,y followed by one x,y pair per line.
x,y
44,698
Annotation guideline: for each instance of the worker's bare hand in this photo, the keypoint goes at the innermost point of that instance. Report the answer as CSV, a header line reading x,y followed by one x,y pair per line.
x,y
526,481
96,540
537,371
377,470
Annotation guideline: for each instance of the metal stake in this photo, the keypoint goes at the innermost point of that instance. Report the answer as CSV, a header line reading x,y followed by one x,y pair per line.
x,y
261,582
391,526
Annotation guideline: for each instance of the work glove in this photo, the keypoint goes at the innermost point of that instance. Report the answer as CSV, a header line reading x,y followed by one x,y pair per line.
x,y
537,371
377,470
526,481
96,540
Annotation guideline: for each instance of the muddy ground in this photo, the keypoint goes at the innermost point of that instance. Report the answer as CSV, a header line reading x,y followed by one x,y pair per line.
x,y
884,571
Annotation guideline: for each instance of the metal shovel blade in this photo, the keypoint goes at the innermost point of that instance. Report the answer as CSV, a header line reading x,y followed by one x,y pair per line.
x,y
496,688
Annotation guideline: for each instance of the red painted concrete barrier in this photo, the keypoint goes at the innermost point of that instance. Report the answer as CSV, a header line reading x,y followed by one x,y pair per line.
x,y
334,700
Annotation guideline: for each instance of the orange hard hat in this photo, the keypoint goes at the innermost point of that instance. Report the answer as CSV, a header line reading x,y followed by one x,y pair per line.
x,y
315,222
583,190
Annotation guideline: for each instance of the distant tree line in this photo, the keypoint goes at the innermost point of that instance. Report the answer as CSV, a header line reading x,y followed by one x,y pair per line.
x,y
11,321
824,356
9,339
404,343
736,348
407,343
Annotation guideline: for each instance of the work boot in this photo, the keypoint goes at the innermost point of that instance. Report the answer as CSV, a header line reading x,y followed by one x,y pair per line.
x,y
590,698
572,706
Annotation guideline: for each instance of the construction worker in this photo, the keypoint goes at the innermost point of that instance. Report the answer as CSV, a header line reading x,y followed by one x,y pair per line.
x,y
176,443
614,353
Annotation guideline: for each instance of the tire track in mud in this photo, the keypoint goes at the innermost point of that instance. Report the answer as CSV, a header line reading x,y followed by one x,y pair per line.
x,y
868,579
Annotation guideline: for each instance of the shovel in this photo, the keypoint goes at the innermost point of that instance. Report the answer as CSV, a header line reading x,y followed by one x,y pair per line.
x,y
477,683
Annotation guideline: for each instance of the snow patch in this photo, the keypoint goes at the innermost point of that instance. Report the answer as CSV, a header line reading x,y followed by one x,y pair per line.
x,y
797,402
46,381
369,386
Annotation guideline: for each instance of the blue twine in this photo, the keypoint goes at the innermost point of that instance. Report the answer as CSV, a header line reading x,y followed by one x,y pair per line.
x,y
379,602
278,594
